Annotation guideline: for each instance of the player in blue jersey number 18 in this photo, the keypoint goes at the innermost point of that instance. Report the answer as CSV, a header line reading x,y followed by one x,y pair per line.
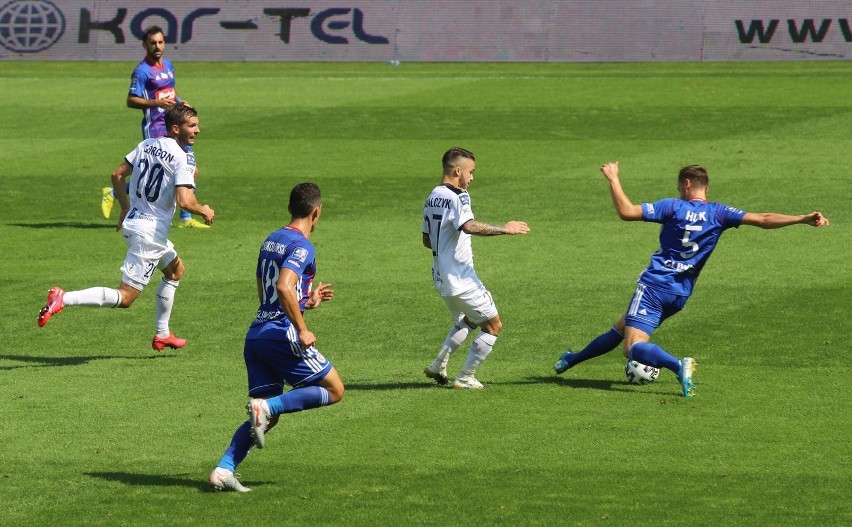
x,y
279,347
691,227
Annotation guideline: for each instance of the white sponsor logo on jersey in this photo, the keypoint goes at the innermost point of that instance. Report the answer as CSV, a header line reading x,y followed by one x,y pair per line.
x,y
298,257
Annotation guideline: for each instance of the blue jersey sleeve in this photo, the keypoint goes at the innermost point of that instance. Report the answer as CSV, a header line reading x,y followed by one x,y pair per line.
x,y
298,257
659,211
730,216
137,83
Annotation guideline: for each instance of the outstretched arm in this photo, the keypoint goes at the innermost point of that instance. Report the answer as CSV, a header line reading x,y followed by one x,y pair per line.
x,y
478,228
772,220
625,208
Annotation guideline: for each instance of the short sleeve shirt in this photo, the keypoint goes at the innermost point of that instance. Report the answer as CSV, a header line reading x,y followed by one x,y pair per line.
x,y
688,236
286,248
445,212
152,82
159,167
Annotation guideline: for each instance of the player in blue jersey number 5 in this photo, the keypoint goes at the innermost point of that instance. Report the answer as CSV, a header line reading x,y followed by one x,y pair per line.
x,y
691,227
279,347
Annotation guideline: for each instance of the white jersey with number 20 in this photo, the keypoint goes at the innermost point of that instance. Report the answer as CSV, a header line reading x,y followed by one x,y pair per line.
x,y
159,165
446,210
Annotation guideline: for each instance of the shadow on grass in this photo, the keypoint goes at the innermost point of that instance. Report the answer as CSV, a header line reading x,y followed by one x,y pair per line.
x,y
159,480
390,385
64,225
590,384
47,362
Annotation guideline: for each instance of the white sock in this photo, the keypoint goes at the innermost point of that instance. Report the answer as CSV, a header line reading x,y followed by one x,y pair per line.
x,y
478,351
92,297
165,301
455,338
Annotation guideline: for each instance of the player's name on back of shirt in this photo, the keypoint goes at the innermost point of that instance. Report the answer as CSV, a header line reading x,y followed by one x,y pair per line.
x,y
158,152
438,203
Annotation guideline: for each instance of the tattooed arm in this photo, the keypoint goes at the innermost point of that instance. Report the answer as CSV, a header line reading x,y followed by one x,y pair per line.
x,y
478,228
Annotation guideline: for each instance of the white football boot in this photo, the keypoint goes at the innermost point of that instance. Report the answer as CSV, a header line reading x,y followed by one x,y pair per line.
x,y
224,480
467,382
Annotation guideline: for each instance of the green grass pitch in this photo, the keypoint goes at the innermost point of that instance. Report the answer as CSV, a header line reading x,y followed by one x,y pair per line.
x,y
100,430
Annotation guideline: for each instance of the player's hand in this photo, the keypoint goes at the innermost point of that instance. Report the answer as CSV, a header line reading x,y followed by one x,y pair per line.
x,y
610,170
817,219
208,214
516,227
323,292
307,339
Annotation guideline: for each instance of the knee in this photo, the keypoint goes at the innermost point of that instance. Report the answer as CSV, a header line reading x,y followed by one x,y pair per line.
x,y
175,270
176,274
336,392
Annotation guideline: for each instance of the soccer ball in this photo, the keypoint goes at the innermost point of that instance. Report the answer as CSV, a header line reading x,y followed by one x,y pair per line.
x,y
638,373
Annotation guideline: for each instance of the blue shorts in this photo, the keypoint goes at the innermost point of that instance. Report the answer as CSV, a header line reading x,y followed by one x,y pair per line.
x,y
649,307
272,363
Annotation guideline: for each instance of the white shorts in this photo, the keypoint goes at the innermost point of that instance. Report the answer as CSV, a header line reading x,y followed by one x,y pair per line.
x,y
144,255
476,304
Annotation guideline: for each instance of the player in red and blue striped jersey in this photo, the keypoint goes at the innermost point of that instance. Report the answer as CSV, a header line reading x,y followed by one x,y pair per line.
x,y
152,90
152,84
691,227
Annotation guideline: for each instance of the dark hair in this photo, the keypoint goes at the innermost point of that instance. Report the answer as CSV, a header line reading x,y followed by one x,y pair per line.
x,y
697,174
304,198
151,30
178,114
452,155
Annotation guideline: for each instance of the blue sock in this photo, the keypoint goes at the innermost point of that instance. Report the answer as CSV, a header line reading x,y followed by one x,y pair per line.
x,y
600,345
653,355
238,449
299,399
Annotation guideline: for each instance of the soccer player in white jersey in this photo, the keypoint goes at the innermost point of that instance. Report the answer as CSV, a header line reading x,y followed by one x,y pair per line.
x,y
161,175
448,224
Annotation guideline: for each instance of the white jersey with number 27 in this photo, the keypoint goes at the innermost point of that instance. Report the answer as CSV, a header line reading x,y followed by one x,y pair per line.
x,y
159,165
446,210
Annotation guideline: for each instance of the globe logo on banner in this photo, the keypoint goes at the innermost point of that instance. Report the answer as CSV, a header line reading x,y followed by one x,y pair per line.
x,y
30,26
